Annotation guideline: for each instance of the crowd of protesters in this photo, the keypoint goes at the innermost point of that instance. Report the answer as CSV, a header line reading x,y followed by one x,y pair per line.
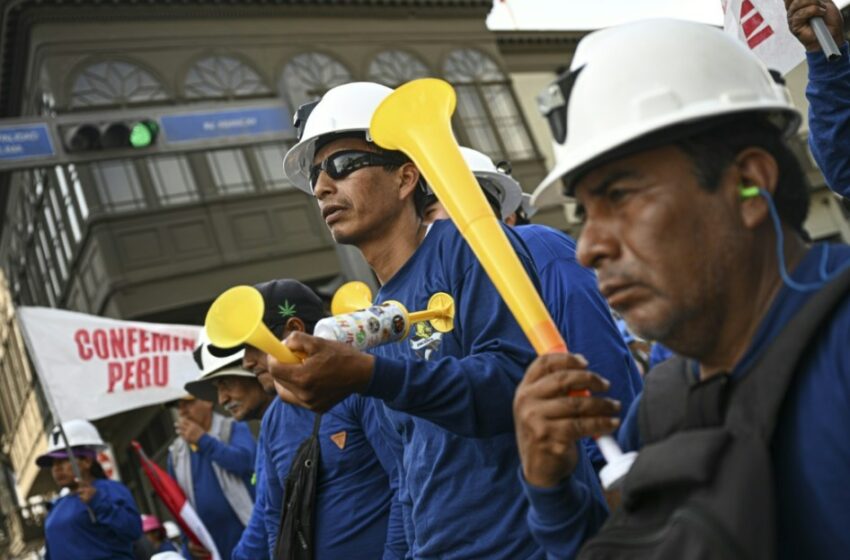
x,y
671,137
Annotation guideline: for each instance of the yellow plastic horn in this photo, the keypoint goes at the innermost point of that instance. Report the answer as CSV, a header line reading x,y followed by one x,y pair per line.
x,y
440,313
350,297
416,119
236,317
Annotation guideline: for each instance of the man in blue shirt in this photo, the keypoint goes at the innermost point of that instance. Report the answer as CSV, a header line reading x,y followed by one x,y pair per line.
x,y
447,396
569,289
694,212
213,462
356,513
828,91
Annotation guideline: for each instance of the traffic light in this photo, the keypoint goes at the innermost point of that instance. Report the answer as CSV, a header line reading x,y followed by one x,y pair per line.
x,y
114,135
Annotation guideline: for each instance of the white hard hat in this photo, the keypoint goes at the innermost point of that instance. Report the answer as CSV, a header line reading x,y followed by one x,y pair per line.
x,y
211,358
628,81
80,434
343,109
498,183
528,206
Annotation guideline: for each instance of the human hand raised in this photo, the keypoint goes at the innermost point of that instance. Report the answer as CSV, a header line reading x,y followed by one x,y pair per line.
x,y
550,418
800,13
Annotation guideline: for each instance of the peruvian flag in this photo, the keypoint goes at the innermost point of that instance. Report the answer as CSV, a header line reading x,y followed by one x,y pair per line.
x,y
172,496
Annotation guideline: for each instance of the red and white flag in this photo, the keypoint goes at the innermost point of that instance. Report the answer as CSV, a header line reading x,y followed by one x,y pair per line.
x,y
172,496
763,26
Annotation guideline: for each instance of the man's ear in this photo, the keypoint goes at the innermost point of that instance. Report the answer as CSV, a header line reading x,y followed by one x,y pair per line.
x,y
756,168
293,324
410,176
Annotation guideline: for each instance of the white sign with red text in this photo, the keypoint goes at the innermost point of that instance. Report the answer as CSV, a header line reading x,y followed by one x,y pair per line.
x,y
95,367
763,26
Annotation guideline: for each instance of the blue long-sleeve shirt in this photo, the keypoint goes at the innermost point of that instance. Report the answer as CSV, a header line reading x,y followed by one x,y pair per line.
x,y
236,456
811,451
573,299
449,398
828,92
70,534
254,543
356,515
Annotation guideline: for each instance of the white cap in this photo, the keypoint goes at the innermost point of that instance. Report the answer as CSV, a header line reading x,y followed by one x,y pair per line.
x,y
631,80
345,108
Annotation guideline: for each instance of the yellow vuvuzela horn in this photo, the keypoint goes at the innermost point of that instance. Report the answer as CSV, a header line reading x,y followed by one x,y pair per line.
x,y
350,297
416,119
236,317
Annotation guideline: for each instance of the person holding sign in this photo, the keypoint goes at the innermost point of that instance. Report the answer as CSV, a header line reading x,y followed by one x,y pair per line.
x,y
445,397
94,517
828,91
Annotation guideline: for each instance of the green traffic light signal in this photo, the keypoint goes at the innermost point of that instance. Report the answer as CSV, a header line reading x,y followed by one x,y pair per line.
x,y
143,134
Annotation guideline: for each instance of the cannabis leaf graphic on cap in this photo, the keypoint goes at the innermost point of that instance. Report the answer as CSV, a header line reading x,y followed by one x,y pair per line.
x,y
287,309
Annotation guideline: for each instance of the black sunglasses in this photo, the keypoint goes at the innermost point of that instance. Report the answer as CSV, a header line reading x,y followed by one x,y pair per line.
x,y
342,164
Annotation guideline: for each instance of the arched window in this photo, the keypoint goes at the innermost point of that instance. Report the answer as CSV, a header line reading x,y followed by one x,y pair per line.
x,y
393,68
309,75
487,110
114,82
222,76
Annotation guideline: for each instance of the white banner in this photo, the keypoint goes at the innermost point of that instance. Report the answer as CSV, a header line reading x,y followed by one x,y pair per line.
x,y
95,367
763,26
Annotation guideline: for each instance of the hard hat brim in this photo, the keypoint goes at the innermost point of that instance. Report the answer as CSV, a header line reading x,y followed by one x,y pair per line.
x,y
665,131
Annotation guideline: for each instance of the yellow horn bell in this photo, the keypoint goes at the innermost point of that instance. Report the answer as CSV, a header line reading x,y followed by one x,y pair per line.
x,y
440,313
416,119
236,317
351,297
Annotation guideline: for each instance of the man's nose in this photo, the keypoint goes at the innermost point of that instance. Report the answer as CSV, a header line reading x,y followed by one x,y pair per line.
x,y
324,186
596,243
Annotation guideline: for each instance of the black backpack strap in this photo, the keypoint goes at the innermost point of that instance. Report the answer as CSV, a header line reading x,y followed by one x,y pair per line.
x,y
278,548
316,424
760,393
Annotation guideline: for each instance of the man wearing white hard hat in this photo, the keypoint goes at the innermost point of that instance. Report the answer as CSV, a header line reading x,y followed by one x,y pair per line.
x,y
674,148
246,397
213,460
451,413
98,517
569,290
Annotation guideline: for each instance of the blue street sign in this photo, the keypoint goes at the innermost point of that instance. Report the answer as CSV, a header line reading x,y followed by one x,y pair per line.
x,y
25,141
226,123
